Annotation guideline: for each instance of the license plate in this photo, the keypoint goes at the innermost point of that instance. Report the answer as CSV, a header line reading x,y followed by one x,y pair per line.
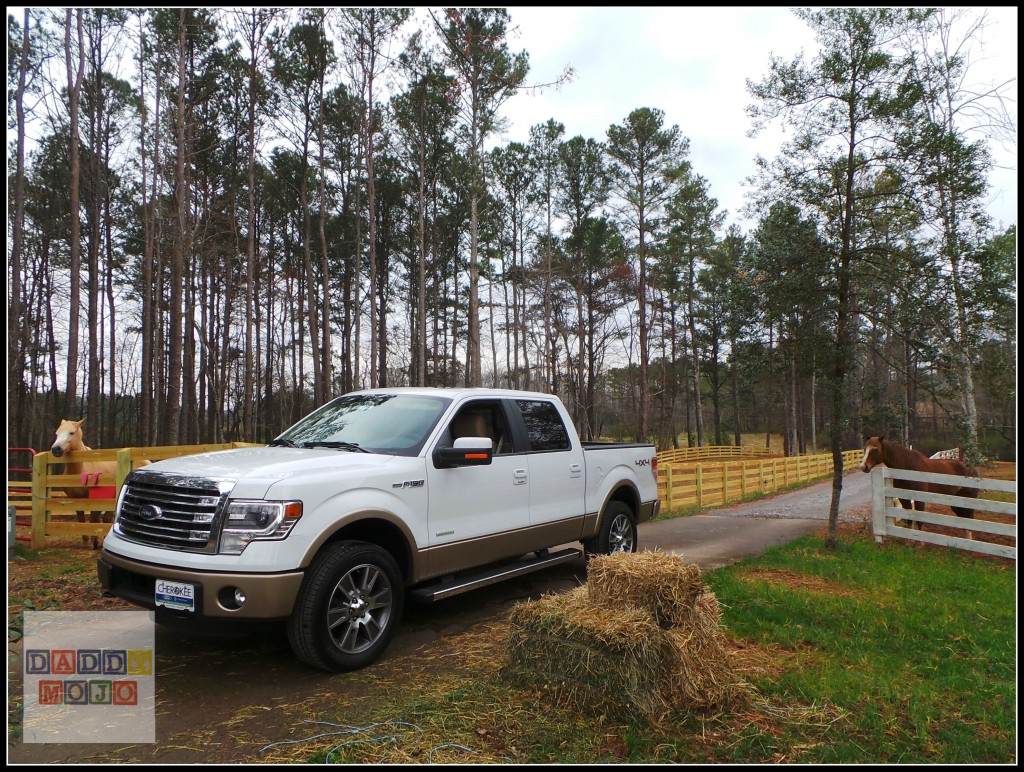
x,y
175,595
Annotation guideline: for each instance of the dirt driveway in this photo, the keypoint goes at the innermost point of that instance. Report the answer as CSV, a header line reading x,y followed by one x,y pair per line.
x,y
222,700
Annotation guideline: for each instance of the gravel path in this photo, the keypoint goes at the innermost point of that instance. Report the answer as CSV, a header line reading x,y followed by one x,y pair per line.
x,y
810,503
718,537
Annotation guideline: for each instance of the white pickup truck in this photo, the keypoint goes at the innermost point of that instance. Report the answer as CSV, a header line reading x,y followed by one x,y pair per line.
x,y
378,492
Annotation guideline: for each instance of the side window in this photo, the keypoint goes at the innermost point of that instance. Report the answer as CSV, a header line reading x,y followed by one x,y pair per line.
x,y
482,419
544,425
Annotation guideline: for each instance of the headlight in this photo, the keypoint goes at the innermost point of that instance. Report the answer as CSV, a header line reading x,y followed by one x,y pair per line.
x,y
264,520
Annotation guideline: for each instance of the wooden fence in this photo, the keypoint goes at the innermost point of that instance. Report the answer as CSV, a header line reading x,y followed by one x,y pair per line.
x,y
19,480
683,455
885,511
699,485
53,514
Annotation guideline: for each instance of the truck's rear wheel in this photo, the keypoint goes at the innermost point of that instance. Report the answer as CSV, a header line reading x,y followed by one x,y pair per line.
x,y
348,607
617,532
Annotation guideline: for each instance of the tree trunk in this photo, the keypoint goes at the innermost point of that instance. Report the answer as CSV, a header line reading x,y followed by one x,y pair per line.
x,y
17,328
182,250
474,375
74,82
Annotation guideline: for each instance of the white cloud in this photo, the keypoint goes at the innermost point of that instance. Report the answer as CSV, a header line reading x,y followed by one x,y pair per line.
x,y
693,63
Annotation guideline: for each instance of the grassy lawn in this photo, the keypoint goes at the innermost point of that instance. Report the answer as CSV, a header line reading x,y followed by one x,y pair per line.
x,y
916,650
872,654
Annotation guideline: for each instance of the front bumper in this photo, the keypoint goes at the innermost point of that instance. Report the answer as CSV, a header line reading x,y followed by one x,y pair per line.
x,y
268,597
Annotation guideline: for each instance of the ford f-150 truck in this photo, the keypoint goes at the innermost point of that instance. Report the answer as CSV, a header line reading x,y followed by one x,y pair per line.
x,y
375,494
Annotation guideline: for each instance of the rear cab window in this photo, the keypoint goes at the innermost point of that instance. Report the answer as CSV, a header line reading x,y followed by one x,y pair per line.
x,y
545,429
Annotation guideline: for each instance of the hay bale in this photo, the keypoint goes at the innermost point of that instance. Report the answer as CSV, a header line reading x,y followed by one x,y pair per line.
x,y
587,655
659,582
701,674
642,638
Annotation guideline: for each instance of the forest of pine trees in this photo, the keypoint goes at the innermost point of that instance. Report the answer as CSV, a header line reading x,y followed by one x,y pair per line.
x,y
218,219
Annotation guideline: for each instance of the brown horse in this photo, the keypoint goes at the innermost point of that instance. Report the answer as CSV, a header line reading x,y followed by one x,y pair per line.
x,y
879,450
68,438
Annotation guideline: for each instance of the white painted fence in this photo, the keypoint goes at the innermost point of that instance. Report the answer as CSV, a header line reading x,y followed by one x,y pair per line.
x,y
885,510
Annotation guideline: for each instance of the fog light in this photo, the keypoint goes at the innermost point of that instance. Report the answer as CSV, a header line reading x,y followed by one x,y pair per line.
x,y
231,598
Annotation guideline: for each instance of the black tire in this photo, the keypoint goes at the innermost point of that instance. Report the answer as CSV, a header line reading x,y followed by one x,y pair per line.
x,y
348,607
617,532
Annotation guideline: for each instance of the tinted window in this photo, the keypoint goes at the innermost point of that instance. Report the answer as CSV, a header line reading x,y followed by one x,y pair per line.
x,y
544,425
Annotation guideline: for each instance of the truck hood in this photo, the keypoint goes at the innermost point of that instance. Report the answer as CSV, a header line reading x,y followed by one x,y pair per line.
x,y
256,469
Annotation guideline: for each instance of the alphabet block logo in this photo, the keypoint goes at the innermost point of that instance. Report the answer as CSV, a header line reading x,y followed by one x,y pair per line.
x,y
89,676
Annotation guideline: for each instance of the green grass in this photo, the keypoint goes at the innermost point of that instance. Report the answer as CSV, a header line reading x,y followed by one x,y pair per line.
x,y
875,654
923,659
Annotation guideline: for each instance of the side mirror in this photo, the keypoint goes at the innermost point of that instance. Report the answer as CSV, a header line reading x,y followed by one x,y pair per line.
x,y
467,451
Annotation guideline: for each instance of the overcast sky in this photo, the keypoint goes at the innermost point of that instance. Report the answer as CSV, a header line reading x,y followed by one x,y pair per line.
x,y
693,63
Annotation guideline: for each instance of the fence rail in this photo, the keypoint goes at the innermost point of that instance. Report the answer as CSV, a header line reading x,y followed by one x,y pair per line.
x,y
53,514
885,511
687,485
682,455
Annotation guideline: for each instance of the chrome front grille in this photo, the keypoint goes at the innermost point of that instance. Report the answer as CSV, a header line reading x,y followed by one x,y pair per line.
x,y
172,511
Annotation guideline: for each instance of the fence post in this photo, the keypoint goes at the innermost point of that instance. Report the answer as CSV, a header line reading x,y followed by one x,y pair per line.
x,y
878,519
668,487
124,466
700,486
37,537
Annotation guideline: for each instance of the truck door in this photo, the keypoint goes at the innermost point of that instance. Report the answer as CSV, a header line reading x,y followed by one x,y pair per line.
x,y
557,477
472,501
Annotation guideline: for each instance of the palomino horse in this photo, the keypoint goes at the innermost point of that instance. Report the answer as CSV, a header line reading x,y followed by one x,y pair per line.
x,y
68,439
879,450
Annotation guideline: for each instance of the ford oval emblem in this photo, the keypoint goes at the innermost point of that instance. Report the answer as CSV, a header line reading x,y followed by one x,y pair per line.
x,y
149,512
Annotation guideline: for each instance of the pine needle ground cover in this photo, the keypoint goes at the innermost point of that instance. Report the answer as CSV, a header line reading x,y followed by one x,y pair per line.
x,y
870,654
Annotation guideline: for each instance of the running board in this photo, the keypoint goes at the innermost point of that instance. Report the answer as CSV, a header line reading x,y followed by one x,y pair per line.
x,y
457,585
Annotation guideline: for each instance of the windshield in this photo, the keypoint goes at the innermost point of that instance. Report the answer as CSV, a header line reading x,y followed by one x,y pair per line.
x,y
377,423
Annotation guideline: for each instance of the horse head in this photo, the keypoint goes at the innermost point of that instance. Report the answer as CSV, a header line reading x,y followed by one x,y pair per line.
x,y
68,438
874,453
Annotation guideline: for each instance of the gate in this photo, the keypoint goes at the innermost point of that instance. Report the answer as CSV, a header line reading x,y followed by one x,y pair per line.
x,y
886,511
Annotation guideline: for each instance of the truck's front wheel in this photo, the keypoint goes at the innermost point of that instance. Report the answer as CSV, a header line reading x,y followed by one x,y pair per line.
x,y
616,534
348,607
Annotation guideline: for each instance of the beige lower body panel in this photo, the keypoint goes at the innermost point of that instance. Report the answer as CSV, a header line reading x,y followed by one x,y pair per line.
x,y
648,511
472,553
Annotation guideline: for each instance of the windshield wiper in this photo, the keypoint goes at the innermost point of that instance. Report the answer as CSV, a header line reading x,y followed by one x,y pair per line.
x,y
281,443
335,444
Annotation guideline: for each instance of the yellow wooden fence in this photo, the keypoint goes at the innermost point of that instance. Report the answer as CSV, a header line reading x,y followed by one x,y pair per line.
x,y
680,455
54,514
704,484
